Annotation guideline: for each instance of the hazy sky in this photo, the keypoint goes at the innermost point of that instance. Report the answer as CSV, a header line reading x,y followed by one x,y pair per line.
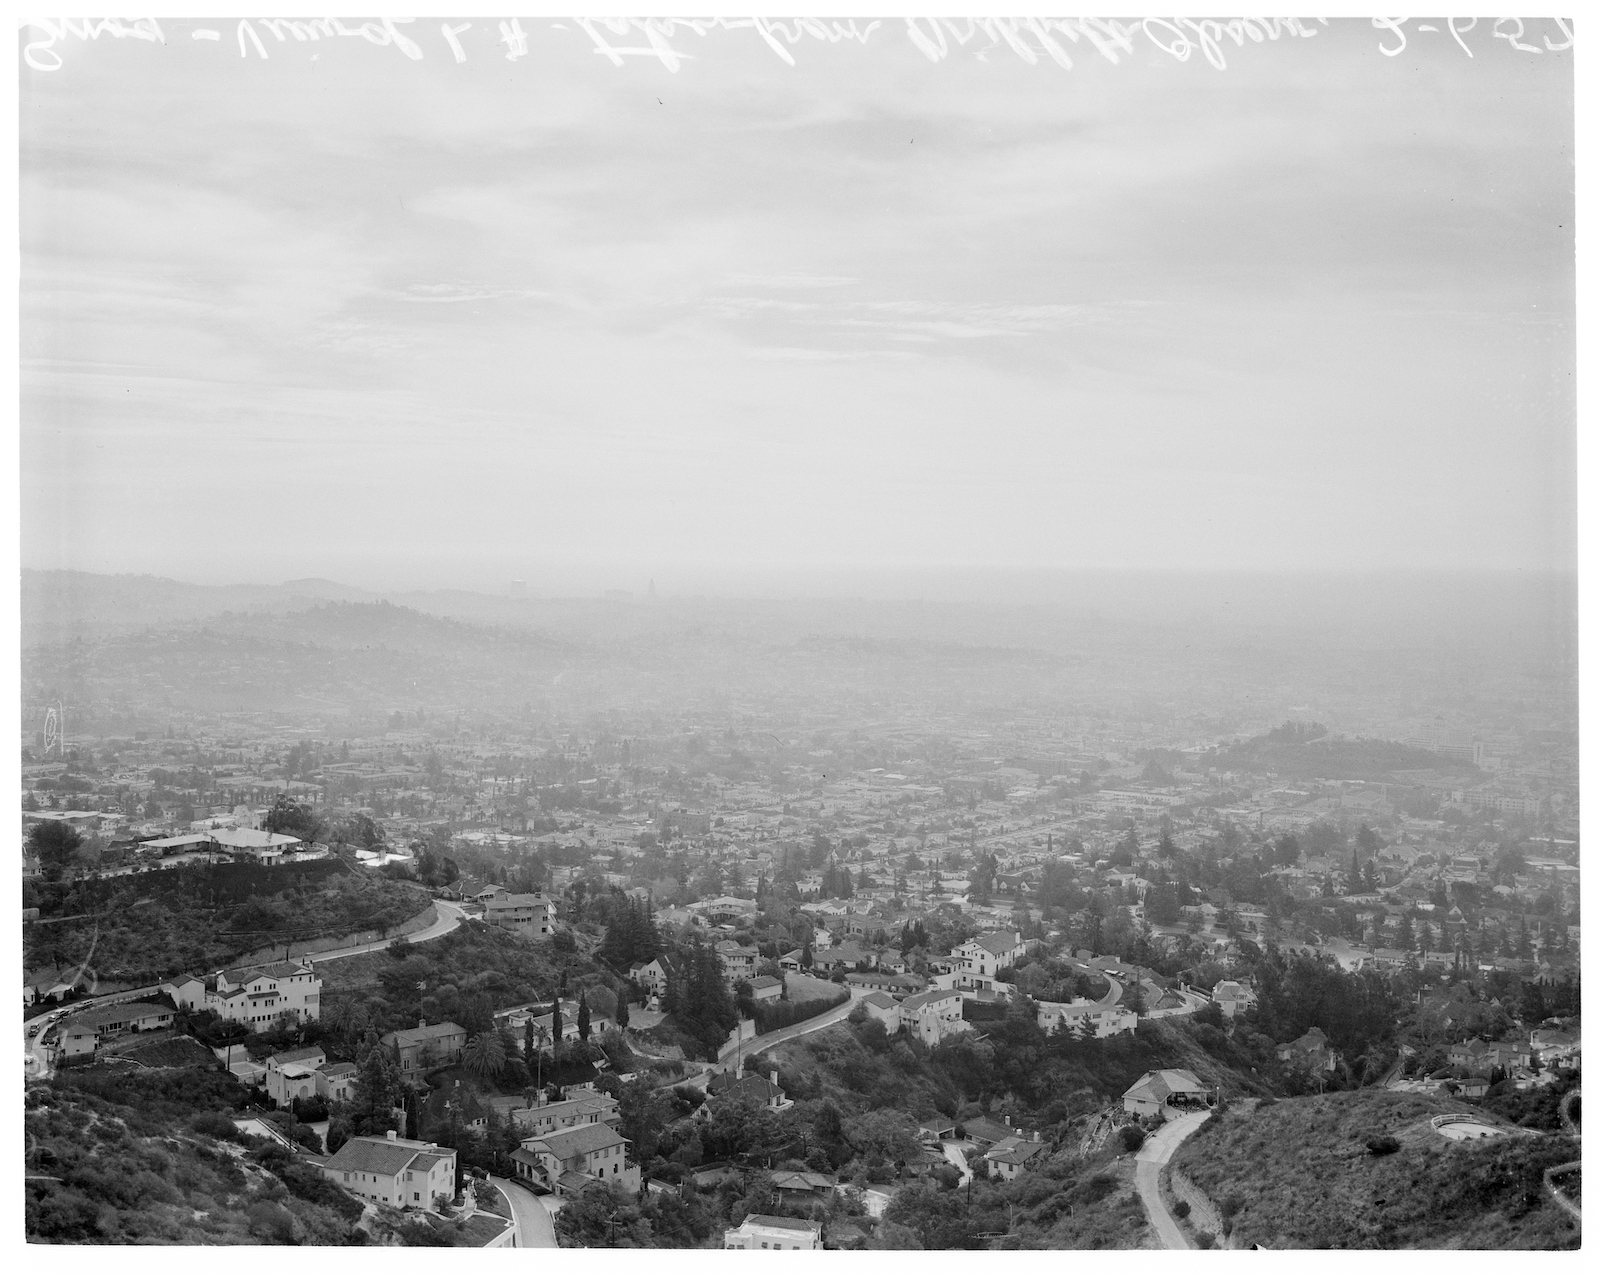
x,y
395,321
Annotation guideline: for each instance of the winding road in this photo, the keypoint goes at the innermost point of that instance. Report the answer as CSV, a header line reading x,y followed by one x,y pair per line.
x,y
1156,1151
37,1054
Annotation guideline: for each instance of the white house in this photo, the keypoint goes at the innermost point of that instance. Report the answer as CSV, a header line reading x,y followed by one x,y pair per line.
x,y
933,1016
761,1231
394,1170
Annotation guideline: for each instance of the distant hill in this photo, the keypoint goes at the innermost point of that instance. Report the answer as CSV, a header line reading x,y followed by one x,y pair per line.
x,y
1298,1174
1335,757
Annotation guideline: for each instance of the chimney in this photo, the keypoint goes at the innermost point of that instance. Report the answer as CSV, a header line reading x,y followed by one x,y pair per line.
x,y
391,1135
774,1077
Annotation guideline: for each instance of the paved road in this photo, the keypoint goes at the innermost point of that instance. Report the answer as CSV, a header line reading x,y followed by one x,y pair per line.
x,y
1156,1152
449,918
535,1228
757,1043
37,1059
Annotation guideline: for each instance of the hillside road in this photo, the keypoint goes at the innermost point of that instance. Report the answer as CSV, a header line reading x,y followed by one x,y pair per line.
x,y
1156,1151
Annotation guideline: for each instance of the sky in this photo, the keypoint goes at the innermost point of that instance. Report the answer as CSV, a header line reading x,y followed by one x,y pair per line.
x,y
415,322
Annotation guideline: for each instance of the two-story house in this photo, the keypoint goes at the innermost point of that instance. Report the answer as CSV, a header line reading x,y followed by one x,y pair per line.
x,y
738,961
652,976
528,916
933,1015
978,961
306,1073
421,1048
394,1170
570,1159
263,995
1232,997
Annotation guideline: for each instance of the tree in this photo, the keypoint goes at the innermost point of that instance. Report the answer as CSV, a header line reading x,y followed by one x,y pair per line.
x,y
622,1011
56,843
484,1056
583,1017
807,960
535,1037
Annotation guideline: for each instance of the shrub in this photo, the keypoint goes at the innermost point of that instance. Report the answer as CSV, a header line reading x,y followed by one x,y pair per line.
x,y
1132,1137
1204,1240
1383,1144
215,1125
1181,1209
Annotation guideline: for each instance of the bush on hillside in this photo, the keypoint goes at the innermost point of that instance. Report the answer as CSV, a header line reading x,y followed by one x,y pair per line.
x,y
1384,1144
1132,1137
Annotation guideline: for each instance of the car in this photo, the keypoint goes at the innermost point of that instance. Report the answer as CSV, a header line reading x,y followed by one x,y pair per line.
x,y
32,1032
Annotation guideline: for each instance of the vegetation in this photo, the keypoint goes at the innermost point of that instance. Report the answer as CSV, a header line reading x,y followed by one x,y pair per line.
x,y
152,1158
154,925
771,1015
463,977
1300,1174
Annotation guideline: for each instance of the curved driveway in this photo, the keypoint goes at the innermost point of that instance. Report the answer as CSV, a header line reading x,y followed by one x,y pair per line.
x,y
535,1228
1156,1151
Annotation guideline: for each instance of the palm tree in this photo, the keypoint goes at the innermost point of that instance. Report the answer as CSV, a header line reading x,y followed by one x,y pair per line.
x,y
484,1056
541,1037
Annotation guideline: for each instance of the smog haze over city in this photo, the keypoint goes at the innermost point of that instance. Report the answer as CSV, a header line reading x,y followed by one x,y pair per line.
x,y
826,634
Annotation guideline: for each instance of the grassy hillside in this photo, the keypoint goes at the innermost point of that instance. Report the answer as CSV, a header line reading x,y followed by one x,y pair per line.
x,y
1298,1174
157,924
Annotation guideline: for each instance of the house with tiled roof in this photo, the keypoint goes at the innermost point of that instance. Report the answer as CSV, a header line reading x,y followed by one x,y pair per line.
x,y
570,1159
742,1088
551,1117
1012,1155
980,959
1166,1093
421,1048
397,1171
1232,997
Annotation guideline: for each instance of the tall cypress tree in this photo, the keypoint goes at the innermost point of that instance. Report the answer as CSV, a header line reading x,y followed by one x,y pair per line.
x,y
583,1017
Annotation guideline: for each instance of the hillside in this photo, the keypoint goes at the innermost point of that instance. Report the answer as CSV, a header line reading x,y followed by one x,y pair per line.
x,y
147,927
1333,757
1298,1174
137,1159
1046,1081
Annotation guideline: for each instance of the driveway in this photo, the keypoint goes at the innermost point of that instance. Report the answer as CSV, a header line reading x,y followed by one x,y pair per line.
x,y
535,1229
956,1154
1156,1151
